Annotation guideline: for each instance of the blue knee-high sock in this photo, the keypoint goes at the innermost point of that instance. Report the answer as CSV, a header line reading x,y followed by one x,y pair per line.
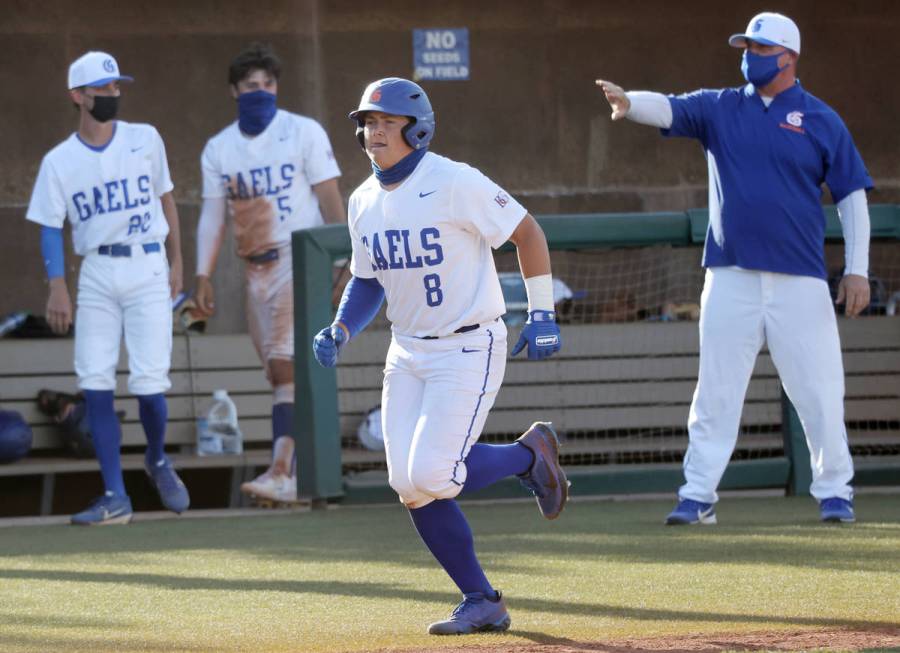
x,y
107,436
283,425
154,412
282,420
488,463
446,533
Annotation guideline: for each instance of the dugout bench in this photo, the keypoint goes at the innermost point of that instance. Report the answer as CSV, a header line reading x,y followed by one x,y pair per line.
x,y
200,364
614,388
610,380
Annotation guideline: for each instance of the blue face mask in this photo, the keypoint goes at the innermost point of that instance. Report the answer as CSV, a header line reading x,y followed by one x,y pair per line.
x,y
400,170
255,111
760,69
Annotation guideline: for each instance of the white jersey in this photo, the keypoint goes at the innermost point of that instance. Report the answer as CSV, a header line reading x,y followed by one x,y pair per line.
x,y
110,194
428,242
282,164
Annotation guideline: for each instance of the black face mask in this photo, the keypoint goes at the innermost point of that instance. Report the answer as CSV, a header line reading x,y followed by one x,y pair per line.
x,y
105,107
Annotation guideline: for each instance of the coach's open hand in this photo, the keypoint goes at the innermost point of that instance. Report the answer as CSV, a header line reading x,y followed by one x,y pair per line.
x,y
616,97
541,335
854,292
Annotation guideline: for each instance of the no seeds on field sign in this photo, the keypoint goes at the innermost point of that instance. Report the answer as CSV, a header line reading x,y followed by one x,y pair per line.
x,y
441,54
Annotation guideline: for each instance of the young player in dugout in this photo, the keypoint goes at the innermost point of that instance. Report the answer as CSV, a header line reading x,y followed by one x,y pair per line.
x,y
273,172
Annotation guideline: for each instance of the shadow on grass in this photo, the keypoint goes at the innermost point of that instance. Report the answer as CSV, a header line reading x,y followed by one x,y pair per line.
x,y
760,531
12,619
401,592
44,642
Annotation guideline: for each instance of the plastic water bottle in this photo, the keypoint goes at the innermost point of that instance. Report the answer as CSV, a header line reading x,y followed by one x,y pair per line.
x,y
12,322
222,430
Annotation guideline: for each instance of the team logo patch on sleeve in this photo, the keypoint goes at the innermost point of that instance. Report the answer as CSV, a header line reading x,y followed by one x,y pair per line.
x,y
502,199
794,122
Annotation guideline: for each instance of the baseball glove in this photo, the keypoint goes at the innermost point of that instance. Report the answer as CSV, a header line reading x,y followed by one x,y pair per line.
x,y
70,413
253,222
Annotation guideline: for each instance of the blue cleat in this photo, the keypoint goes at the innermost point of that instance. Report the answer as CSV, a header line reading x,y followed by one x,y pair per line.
x,y
105,510
476,614
835,509
689,511
172,492
546,478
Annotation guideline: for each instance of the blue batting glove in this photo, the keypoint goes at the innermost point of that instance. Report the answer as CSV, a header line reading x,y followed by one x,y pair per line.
x,y
541,334
327,345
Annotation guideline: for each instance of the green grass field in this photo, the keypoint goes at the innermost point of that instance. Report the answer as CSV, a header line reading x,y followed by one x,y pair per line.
x,y
358,579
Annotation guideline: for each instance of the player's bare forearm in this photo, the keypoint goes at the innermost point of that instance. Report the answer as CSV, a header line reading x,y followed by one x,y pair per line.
x,y
59,306
173,243
330,201
531,245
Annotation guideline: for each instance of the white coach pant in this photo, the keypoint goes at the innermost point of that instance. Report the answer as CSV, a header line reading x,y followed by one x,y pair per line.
x,y
434,403
129,294
739,311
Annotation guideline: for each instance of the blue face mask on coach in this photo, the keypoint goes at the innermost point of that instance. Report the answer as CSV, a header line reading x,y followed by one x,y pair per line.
x,y
760,69
255,111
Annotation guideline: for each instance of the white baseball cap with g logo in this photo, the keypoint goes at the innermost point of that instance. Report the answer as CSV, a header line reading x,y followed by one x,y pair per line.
x,y
769,29
95,69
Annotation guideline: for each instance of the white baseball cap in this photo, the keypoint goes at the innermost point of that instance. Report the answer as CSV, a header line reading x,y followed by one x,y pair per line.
x,y
769,29
95,69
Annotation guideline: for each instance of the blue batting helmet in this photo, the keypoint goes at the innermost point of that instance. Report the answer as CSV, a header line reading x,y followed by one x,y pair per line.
x,y
399,97
15,437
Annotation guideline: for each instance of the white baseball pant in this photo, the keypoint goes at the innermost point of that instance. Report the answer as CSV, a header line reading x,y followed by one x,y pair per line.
x,y
130,293
270,306
435,400
740,310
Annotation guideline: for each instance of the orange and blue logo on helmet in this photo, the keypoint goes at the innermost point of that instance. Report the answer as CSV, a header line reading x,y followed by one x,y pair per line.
x,y
376,95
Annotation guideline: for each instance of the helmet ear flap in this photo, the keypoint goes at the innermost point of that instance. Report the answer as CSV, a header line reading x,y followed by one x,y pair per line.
x,y
413,139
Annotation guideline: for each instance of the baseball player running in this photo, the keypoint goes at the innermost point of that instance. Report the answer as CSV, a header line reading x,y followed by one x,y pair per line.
x,y
769,146
422,228
274,171
111,179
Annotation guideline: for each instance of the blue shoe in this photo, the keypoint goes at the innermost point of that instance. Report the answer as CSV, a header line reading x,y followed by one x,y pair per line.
x,y
172,492
546,479
689,511
105,510
835,509
476,614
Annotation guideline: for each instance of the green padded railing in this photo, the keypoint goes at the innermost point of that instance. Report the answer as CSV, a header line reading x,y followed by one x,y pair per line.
x,y
316,422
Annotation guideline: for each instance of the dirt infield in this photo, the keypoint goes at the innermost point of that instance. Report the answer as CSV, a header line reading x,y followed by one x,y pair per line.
x,y
800,640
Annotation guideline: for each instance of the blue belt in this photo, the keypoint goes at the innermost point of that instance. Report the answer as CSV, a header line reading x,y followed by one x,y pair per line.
x,y
125,250
265,257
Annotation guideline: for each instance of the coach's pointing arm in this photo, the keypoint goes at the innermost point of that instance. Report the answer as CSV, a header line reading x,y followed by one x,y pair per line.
x,y
645,107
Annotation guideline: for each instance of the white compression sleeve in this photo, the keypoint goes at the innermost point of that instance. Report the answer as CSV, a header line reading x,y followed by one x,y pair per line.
x,y
853,211
649,108
540,292
210,233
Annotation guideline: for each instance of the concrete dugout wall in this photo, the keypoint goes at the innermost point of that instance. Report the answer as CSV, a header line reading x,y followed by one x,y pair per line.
x,y
529,116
